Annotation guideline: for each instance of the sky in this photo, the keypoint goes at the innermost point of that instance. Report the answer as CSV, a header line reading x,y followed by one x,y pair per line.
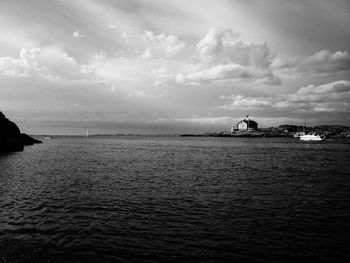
x,y
181,66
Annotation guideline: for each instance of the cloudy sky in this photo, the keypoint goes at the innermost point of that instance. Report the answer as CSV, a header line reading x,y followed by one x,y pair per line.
x,y
159,66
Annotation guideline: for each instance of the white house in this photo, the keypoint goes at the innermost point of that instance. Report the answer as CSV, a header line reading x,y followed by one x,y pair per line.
x,y
245,125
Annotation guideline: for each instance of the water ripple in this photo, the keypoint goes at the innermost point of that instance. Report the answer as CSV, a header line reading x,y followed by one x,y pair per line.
x,y
175,199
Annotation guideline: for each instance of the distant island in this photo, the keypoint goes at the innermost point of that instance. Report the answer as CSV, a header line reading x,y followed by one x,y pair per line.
x,y
11,138
249,128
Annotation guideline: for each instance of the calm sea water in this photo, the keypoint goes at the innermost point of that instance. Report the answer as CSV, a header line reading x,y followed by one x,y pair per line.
x,y
171,199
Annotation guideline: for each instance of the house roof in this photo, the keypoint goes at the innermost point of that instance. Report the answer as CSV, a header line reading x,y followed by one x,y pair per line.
x,y
249,122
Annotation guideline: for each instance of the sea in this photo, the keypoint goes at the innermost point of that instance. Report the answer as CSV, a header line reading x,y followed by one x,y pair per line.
x,y
176,199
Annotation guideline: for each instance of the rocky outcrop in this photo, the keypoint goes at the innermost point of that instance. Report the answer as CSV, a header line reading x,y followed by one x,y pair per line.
x,y
11,138
27,140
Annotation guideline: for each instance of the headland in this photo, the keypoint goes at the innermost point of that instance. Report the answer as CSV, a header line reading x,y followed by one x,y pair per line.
x,y
11,138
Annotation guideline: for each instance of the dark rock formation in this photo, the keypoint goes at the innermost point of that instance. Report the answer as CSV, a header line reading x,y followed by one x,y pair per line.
x,y
11,138
27,140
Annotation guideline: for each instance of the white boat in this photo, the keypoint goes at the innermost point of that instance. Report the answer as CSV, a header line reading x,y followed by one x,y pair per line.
x,y
312,137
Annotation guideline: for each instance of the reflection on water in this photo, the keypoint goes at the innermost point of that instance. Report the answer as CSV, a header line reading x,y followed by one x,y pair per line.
x,y
171,199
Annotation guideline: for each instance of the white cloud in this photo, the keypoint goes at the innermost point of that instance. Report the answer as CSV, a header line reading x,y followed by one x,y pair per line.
x,y
330,97
13,67
163,45
77,34
49,62
221,55
324,61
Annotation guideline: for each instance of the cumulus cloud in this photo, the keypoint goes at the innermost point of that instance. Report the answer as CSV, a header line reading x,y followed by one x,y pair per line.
x,y
221,55
322,61
49,62
330,97
163,45
13,67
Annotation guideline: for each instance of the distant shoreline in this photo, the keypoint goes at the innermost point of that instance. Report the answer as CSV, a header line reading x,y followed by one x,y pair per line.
x,y
282,131
218,135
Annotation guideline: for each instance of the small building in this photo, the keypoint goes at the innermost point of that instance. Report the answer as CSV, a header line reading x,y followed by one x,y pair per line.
x,y
245,125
